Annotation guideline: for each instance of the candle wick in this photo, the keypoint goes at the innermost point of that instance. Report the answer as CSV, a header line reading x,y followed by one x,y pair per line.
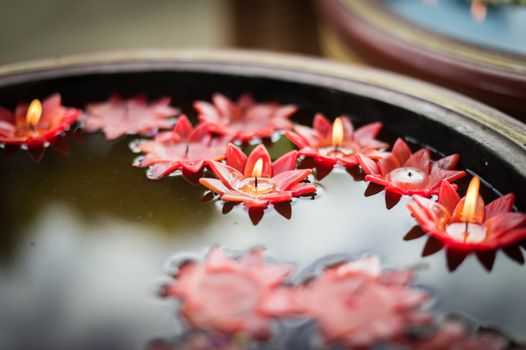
x,y
466,233
256,182
186,150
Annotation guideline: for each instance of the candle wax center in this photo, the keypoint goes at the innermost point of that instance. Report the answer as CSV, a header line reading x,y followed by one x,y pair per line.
x,y
261,186
336,151
468,233
410,178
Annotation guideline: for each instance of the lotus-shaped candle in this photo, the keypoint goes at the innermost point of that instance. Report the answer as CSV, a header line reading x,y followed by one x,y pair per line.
x,y
226,295
255,181
246,119
358,305
337,144
406,173
36,124
118,117
468,224
183,149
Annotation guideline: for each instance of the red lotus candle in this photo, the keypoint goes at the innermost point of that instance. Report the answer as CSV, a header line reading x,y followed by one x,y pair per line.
x,y
184,149
467,223
404,172
118,117
246,119
255,181
36,125
337,144
226,295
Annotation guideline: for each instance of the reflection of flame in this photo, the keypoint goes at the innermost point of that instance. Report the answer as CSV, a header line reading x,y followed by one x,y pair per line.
x,y
337,132
479,10
258,168
34,112
470,203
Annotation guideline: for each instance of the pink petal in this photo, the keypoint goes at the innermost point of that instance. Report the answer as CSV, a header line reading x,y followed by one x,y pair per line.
x,y
183,127
207,112
260,152
217,260
285,111
448,196
309,135
213,185
444,175
369,131
160,170
273,275
277,197
193,166
420,160
285,162
228,175
288,179
322,126
388,164
223,104
499,206
348,128
368,165
279,303
236,158
401,151
447,163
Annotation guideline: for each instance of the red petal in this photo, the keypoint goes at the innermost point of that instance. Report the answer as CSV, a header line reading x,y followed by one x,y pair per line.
x,y
437,177
183,127
447,163
322,126
199,133
388,164
309,135
448,196
213,185
369,131
260,152
234,196
499,206
285,163
277,197
368,165
6,115
228,175
236,158
502,223
401,151
286,180
303,188
420,160
296,139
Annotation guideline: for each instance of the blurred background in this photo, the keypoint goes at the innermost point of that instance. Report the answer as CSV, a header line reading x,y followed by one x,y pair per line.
x,y
476,47
35,29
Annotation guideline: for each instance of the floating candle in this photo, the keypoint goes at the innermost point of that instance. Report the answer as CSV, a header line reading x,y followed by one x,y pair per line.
x,y
36,125
255,181
184,149
246,119
467,223
337,144
118,117
403,172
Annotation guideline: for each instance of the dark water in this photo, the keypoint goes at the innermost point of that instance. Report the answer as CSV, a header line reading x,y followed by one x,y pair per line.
x,y
85,241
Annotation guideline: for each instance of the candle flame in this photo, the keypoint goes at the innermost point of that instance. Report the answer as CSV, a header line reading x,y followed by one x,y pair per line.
x,y
479,10
469,210
34,112
258,168
337,132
